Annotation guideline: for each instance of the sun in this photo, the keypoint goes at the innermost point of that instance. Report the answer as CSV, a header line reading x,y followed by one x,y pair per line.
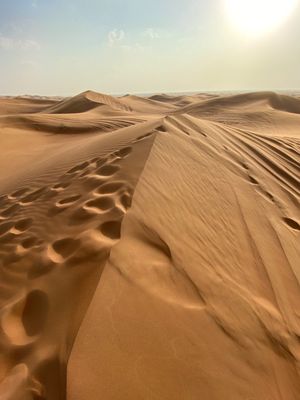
x,y
257,17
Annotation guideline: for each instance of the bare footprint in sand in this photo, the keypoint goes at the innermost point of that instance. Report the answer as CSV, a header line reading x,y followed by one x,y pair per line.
x,y
292,223
80,216
84,173
18,193
253,180
10,211
63,248
25,318
143,137
31,197
92,182
78,168
101,203
30,241
93,160
22,225
61,186
63,204
5,227
111,229
123,152
108,170
35,312
4,200
101,161
126,200
110,187
161,128
68,201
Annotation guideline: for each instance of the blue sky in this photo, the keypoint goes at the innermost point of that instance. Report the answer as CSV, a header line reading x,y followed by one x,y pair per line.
x,y
139,46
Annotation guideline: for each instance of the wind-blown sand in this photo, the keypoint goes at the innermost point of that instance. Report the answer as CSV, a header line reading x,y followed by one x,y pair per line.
x,y
150,247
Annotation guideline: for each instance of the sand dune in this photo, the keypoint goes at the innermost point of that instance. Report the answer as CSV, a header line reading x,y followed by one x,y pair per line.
x,y
146,106
247,101
152,252
84,102
23,105
86,112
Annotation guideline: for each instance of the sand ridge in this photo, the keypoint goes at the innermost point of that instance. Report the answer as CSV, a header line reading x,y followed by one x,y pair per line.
x,y
149,247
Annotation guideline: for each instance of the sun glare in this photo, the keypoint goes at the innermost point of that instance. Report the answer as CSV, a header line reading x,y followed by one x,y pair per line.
x,y
257,17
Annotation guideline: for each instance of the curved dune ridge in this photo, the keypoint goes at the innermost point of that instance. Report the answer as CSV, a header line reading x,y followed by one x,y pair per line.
x,y
86,101
87,112
267,99
154,254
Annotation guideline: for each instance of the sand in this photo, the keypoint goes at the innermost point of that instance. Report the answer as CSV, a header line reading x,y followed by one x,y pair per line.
x,y
150,247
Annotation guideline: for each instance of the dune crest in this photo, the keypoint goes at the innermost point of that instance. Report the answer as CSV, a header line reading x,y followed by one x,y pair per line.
x,y
86,101
149,247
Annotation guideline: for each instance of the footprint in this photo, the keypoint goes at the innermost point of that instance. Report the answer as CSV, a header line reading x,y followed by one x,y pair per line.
x,y
92,182
61,186
10,210
80,216
33,196
292,223
19,193
65,247
7,238
84,173
110,187
111,229
126,200
188,134
55,210
101,161
138,139
270,196
78,168
253,180
29,242
5,227
108,170
3,200
35,312
25,318
102,203
67,201
123,152
23,224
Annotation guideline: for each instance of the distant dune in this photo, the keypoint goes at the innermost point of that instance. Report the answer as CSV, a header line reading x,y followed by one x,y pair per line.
x,y
150,247
267,99
86,101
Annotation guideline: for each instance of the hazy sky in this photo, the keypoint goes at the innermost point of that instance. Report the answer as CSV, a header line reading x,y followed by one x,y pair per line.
x,y
63,47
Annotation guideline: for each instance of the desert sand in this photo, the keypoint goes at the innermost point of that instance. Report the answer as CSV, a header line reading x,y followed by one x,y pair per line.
x,y
150,247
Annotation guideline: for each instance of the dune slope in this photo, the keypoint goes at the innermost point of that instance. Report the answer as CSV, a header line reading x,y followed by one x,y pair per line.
x,y
153,260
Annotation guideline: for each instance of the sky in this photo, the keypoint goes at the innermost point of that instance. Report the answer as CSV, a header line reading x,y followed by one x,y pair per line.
x,y
64,47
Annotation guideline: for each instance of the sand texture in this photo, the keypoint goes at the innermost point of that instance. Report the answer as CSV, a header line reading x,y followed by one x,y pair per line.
x,y
150,247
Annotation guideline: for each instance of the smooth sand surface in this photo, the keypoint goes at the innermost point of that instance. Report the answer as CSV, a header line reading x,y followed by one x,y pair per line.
x,y
150,247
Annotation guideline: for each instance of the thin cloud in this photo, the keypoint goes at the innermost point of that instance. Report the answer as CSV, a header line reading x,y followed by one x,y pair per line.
x,y
8,43
29,63
30,44
137,48
151,33
115,36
